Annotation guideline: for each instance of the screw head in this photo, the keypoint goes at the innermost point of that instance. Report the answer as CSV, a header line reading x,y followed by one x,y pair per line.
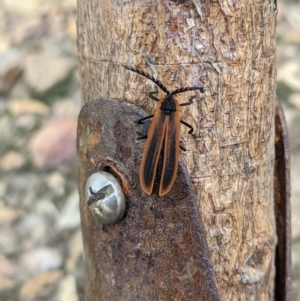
x,y
105,197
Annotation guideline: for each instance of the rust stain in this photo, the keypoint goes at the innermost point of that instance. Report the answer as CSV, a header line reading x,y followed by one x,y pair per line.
x,y
148,255
93,139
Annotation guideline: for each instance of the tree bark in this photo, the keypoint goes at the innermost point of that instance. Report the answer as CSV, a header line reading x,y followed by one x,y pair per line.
x,y
229,48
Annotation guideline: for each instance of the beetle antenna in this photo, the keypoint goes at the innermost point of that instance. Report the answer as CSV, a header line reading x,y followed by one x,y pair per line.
x,y
156,81
180,90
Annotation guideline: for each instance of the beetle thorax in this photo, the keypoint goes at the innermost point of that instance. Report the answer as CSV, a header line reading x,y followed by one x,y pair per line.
x,y
168,105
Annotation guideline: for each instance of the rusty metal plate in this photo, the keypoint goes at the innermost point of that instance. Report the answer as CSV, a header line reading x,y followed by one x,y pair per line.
x,y
282,208
158,250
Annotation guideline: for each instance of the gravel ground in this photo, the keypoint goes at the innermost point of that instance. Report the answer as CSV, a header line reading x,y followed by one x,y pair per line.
x,y
40,237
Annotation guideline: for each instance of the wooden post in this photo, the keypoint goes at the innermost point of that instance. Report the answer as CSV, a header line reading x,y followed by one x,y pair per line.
x,y
229,48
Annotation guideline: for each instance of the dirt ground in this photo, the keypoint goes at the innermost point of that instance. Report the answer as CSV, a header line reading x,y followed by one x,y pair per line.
x,y
40,237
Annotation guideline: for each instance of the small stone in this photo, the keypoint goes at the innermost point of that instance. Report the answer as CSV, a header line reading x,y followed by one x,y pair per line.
x,y
75,251
10,68
9,59
25,123
3,106
12,160
40,286
70,217
8,242
56,183
8,215
289,73
66,108
69,5
7,268
67,290
5,136
32,229
46,208
28,106
6,284
5,42
71,29
294,19
295,100
19,90
43,72
41,260
3,189
29,30
54,144
292,36
21,7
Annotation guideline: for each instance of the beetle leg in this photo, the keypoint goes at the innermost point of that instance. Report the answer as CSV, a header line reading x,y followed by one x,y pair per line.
x,y
140,121
189,126
182,148
141,136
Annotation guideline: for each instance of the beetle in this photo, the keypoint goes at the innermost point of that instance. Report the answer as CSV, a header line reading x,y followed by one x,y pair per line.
x,y
163,137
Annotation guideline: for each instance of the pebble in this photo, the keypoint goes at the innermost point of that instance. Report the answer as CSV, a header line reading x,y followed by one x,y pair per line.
x,y
6,133
32,230
69,5
9,59
66,108
7,268
3,105
67,289
3,189
20,7
37,54
10,68
294,18
25,123
8,215
43,72
28,106
54,144
295,100
5,42
40,260
71,30
6,285
289,73
8,242
12,160
292,36
40,286
69,216
47,209
56,183
29,30
75,252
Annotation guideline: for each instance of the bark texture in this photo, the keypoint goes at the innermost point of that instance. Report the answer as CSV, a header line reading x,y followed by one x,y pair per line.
x,y
229,47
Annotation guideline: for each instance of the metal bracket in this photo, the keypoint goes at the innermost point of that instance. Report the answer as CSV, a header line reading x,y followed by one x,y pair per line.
x,y
282,208
157,251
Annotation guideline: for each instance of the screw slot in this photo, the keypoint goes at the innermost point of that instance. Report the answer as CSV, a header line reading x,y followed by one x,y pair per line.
x,y
105,197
